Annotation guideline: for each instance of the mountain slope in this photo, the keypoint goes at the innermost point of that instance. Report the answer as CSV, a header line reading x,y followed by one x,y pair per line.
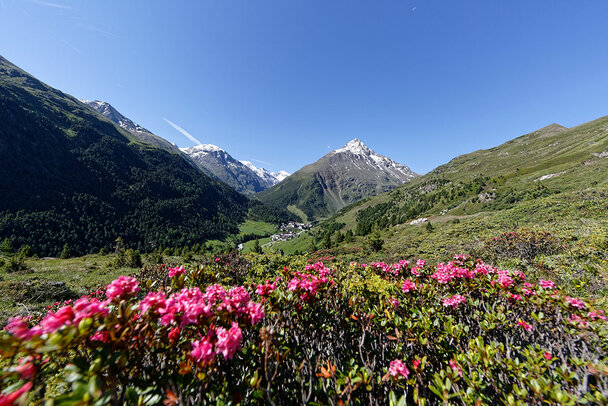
x,y
339,178
272,178
108,111
71,176
224,167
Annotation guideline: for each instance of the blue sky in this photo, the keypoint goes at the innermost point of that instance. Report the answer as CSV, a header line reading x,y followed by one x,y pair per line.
x,y
281,83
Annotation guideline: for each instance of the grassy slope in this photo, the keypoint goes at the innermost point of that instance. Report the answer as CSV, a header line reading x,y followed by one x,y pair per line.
x,y
29,290
256,227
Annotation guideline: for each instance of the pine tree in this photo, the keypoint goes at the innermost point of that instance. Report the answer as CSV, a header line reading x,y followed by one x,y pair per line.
x,y
65,253
6,247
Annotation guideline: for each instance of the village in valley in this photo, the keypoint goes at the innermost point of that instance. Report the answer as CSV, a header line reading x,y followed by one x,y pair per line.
x,y
290,230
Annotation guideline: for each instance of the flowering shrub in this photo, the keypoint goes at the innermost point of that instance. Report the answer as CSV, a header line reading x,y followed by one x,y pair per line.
x,y
324,332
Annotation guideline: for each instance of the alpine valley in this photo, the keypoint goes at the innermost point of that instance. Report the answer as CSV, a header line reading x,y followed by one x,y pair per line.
x,y
235,268
138,271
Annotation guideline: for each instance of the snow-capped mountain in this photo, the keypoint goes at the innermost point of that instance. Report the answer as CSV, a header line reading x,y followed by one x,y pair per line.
x,y
209,158
336,180
110,112
271,177
357,151
243,176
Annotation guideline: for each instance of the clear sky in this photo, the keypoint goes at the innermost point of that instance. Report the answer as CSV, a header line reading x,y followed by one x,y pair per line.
x,y
282,82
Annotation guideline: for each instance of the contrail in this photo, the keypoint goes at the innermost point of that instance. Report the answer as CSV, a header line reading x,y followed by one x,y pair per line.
x,y
181,130
47,4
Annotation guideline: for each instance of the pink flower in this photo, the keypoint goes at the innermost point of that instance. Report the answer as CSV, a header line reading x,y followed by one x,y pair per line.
x,y
416,363
504,280
575,302
26,369
217,260
547,355
421,263
546,284
54,321
515,297
153,300
174,334
202,351
528,292
397,369
12,398
229,341
524,325
454,301
579,321
394,302
102,336
408,286
122,287
176,271
255,312
596,315
266,289
18,328
455,367
215,293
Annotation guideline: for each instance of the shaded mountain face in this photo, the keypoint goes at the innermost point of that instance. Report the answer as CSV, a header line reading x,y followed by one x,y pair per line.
x,y
69,175
242,176
340,178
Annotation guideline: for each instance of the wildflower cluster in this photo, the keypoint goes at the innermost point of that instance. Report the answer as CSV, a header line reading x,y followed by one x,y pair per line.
x,y
306,285
461,332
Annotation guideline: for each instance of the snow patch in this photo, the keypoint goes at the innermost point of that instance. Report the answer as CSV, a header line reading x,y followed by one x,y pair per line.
x,y
549,176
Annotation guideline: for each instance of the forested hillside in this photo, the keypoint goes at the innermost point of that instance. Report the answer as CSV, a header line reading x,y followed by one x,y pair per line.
x,y
71,176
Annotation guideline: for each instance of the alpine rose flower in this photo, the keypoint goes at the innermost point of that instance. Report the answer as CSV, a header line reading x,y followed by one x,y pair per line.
x,y
546,284
176,271
122,287
408,286
202,351
397,369
524,325
229,341
455,367
454,301
12,398
575,302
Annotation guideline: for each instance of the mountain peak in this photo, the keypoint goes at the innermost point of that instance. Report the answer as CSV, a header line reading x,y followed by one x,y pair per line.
x,y
355,146
550,130
203,148
107,110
